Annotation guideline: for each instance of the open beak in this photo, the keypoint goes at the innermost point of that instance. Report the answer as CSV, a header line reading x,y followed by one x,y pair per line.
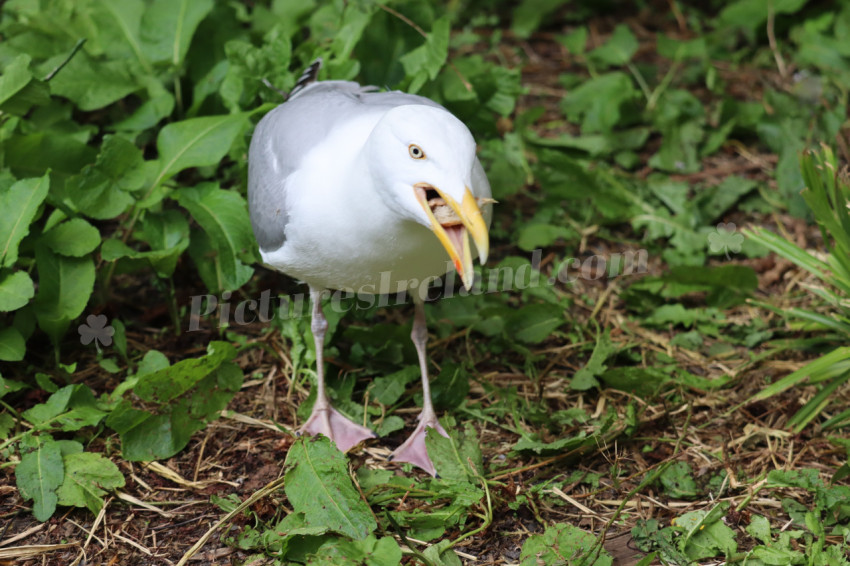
x,y
454,230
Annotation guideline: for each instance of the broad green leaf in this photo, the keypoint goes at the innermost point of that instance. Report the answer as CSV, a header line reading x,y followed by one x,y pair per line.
x,y
147,436
100,191
759,528
117,26
38,475
753,14
12,345
73,238
539,235
644,382
10,386
162,261
34,154
425,61
166,384
457,458
534,323
388,389
65,285
16,289
93,84
529,14
563,543
370,551
19,90
618,50
88,476
706,535
196,142
7,423
70,408
678,482
168,26
15,77
441,554
585,377
598,103
528,445
318,485
19,205
225,238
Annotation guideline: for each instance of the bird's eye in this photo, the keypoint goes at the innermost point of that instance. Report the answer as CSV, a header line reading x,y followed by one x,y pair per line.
x,y
415,151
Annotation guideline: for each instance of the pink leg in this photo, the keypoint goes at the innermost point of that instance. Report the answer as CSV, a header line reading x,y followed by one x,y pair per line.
x,y
413,450
324,419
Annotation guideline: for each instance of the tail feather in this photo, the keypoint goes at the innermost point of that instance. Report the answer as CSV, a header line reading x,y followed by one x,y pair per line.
x,y
309,76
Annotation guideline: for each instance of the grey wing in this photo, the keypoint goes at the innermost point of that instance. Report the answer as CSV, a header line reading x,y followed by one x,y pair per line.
x,y
287,133
279,143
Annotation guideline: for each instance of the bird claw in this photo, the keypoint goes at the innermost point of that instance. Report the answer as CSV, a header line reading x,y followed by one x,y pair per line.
x,y
331,423
414,451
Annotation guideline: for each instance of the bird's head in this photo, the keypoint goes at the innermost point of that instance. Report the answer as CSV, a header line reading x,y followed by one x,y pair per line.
x,y
426,159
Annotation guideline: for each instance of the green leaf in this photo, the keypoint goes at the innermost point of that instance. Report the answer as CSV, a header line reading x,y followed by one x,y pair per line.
x,y
72,238
534,323
457,458
225,238
599,102
93,84
19,90
618,50
441,554
10,386
677,481
530,445
15,77
166,233
19,205
148,436
388,389
644,382
70,408
168,26
425,61
563,543
7,423
539,235
318,485
38,475
12,345
101,190
706,535
529,14
370,551
585,378
65,285
753,14
759,528
88,476
168,383
196,142
16,290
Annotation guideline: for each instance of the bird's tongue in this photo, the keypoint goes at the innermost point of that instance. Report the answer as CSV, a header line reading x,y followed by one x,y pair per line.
x,y
455,234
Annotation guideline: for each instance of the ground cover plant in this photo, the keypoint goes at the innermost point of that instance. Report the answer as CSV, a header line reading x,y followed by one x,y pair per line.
x,y
651,369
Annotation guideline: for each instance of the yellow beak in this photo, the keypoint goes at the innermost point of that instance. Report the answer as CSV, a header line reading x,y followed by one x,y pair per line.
x,y
455,239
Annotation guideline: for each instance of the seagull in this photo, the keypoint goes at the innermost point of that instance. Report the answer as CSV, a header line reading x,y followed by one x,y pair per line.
x,y
371,192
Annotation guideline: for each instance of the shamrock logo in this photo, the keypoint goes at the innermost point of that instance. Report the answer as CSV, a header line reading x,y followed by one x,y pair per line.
x,y
96,330
725,239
